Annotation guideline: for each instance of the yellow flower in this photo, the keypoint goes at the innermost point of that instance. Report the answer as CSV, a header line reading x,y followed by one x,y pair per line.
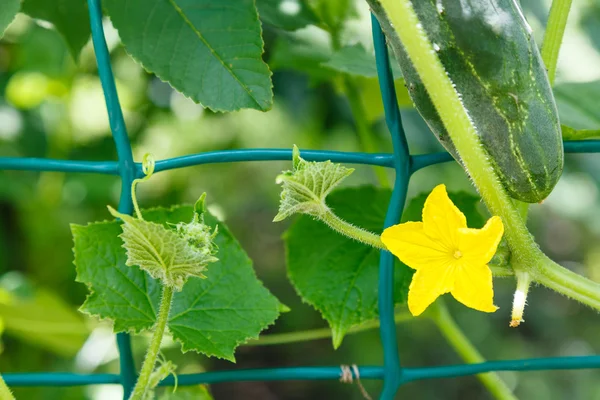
x,y
448,256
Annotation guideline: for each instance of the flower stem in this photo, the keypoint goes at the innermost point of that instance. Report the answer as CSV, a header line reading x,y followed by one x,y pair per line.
x,y
151,356
457,339
322,333
524,251
351,231
555,30
5,393
520,298
365,133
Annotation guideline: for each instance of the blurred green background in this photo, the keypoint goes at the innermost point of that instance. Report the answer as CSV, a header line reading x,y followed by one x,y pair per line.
x,y
52,107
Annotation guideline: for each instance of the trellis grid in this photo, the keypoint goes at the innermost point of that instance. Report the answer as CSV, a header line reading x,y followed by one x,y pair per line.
x,y
391,372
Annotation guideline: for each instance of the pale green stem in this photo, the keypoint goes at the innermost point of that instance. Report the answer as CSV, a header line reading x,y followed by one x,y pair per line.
x,y
555,30
579,134
373,240
351,231
525,253
365,133
151,356
457,339
148,165
321,333
5,393
523,209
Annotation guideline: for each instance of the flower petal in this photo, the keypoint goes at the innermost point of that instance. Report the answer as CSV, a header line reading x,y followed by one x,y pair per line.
x,y
427,285
413,247
441,218
478,246
473,287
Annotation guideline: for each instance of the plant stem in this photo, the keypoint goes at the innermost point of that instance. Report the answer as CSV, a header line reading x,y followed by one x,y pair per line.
x,y
351,231
150,360
568,283
322,333
5,393
555,30
365,133
457,339
404,28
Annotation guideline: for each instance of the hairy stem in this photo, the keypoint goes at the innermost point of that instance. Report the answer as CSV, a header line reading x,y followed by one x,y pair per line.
x,y
322,333
525,253
555,30
365,133
143,382
351,231
5,393
467,351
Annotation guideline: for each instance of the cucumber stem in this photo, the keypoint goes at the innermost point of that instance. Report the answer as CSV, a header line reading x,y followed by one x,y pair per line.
x,y
141,387
467,351
555,30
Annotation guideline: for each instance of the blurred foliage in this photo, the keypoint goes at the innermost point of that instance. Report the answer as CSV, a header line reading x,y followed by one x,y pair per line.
x,y
52,107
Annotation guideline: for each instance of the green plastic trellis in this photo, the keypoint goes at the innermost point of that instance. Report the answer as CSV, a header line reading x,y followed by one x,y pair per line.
x,y
391,372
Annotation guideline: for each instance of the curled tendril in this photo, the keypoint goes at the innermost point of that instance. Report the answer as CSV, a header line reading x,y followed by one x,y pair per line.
x,y
148,165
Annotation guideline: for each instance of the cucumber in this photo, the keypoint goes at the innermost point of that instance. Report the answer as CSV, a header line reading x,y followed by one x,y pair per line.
x,y
488,51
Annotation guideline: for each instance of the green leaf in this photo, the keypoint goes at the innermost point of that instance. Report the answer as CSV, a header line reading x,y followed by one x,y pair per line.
x,y
70,18
208,50
42,318
212,316
286,14
303,53
355,60
332,13
305,188
337,275
577,104
168,255
199,392
8,12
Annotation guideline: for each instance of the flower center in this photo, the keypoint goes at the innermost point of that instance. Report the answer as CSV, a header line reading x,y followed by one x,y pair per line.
x,y
457,254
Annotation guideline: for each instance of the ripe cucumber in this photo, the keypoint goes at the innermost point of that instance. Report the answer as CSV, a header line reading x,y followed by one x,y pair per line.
x,y
487,49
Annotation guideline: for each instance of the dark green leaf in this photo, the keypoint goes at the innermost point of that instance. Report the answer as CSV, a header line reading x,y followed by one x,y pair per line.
x,y
8,12
337,275
70,17
286,14
577,104
212,316
208,50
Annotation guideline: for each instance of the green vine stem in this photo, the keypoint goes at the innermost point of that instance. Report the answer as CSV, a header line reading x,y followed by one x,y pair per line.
x,y
5,393
498,268
365,133
143,382
526,255
351,231
455,336
148,165
555,30
321,333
